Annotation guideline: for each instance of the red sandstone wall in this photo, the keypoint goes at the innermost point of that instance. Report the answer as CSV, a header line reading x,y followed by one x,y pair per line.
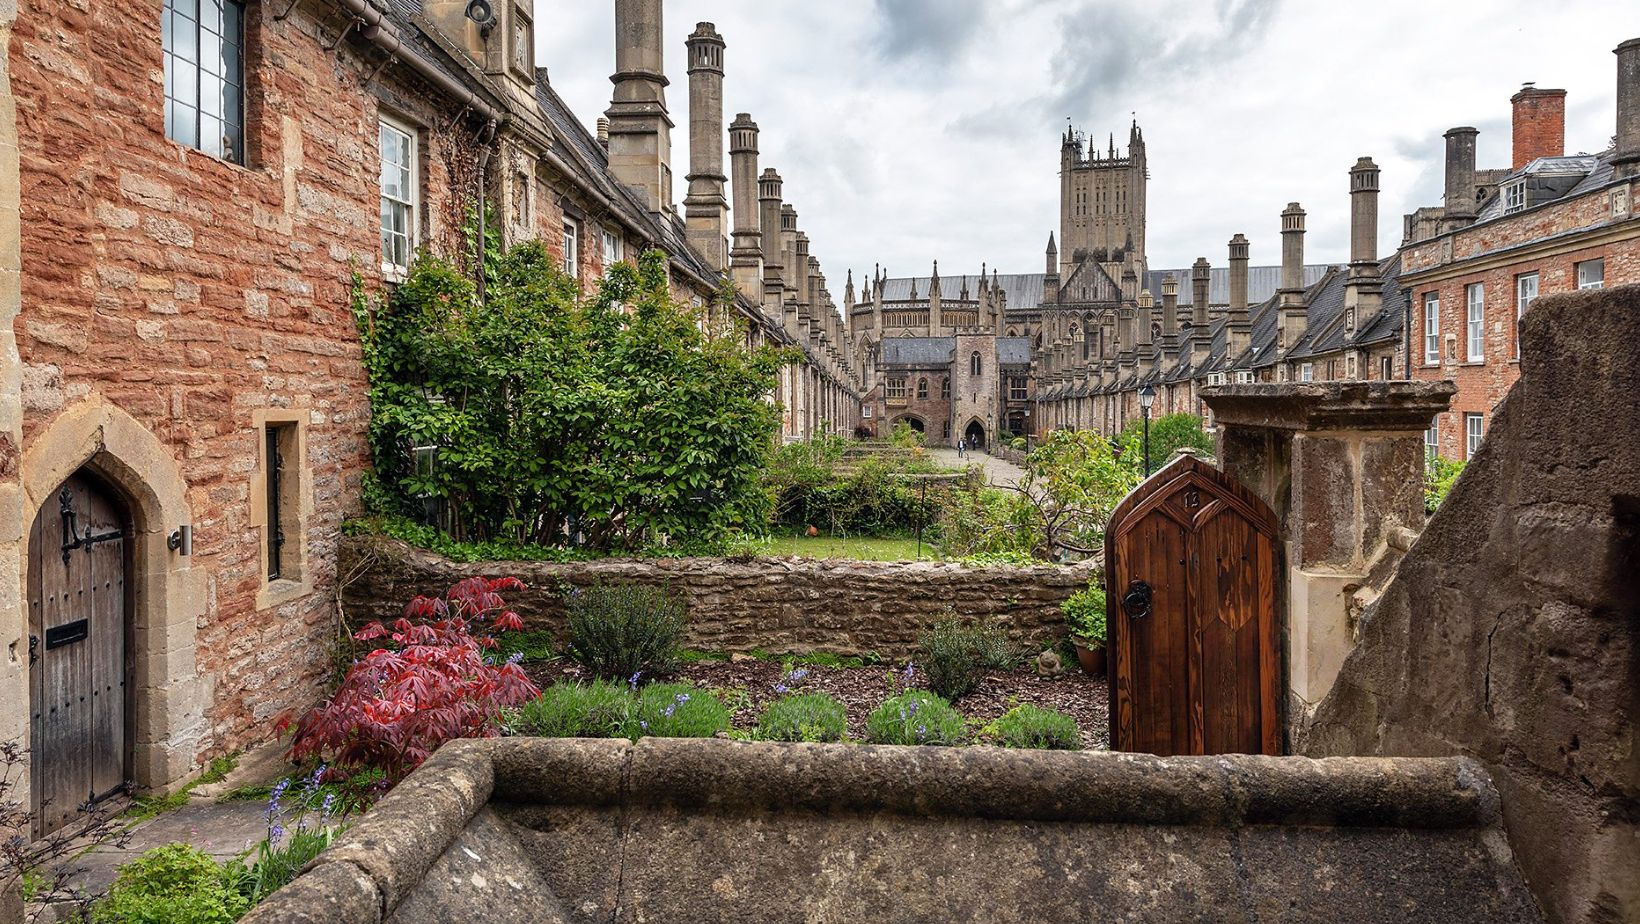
x,y
191,292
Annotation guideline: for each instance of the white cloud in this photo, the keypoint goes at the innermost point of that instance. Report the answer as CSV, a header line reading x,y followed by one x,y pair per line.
x,y
914,130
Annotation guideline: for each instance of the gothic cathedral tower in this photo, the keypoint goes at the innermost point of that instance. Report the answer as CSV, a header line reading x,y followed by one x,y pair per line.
x,y
1102,204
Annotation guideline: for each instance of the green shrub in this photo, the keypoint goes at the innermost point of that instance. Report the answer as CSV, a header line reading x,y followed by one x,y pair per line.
x,y
1439,477
677,710
1030,727
916,717
806,717
572,710
956,655
175,884
619,631
1085,615
278,860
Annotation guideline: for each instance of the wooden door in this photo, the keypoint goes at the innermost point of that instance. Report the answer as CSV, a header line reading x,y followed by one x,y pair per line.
x,y
77,563
1191,559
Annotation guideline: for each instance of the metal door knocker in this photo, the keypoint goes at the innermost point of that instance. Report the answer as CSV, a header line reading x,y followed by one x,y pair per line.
x,y
1136,602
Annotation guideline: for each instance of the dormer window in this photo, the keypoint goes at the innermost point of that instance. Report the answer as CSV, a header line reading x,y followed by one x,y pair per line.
x,y
1514,197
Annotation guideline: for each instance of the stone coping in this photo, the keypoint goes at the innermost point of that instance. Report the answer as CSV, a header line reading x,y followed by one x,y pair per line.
x,y
1369,406
388,853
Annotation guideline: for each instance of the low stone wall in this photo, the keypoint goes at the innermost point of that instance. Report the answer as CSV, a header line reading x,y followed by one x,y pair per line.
x,y
1007,454
781,605
672,831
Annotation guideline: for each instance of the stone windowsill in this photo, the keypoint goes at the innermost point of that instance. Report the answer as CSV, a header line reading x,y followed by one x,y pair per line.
x,y
280,592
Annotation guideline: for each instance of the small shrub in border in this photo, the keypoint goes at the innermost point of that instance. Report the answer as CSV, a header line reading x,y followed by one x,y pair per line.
x,y
805,717
1030,727
174,884
618,631
573,710
956,655
916,717
677,710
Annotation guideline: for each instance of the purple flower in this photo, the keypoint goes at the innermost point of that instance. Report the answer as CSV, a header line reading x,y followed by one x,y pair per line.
x,y
328,806
683,697
781,688
276,834
633,680
668,711
644,725
798,674
516,658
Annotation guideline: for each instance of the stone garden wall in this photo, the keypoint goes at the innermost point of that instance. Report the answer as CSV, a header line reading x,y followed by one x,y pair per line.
x,y
782,605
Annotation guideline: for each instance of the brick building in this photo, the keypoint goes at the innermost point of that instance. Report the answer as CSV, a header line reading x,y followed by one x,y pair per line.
x,y
187,190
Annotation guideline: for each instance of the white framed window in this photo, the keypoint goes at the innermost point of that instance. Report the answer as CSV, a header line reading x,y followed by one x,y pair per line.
x,y
1474,429
867,411
572,248
400,194
1215,378
1432,329
1432,439
612,248
1591,274
1475,327
1514,197
203,44
1306,372
1526,292
1244,377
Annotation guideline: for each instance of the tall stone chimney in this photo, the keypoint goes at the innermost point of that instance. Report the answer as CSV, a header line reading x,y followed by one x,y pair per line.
x,y
1538,124
1201,331
1147,321
1460,177
1293,310
791,270
640,131
1363,296
1239,329
746,258
706,209
769,206
1170,315
1628,108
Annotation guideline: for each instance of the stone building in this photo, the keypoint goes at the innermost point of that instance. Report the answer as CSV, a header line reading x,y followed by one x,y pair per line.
x,y
188,190
1551,222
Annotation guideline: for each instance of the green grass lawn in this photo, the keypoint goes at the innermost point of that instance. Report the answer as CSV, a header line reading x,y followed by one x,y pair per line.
x,y
860,549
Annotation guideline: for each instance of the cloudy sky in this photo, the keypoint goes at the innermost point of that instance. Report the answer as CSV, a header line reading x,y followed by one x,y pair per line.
x,y
910,130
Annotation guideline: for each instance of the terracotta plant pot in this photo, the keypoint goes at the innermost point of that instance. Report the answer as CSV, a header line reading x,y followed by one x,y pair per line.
x,y
1091,659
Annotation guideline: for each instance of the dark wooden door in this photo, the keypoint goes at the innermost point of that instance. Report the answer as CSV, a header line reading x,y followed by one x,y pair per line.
x,y
1191,559
77,564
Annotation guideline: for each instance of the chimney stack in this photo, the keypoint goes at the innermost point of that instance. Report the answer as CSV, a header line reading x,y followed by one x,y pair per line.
x,y
1364,218
1293,310
603,132
1239,329
1539,124
746,259
1460,177
705,208
640,131
1628,108
1201,328
769,189
1170,314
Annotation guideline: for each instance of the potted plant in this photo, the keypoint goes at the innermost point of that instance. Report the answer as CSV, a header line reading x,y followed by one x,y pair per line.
x,y
1085,615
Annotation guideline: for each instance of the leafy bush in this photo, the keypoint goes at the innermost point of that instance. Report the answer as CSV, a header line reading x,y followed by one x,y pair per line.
x,y
619,631
916,717
874,497
1029,727
805,717
905,436
956,655
1439,477
430,683
572,710
1085,615
174,884
989,526
1168,435
610,422
677,710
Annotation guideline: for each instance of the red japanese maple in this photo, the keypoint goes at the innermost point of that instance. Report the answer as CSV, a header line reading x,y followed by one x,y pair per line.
x,y
429,683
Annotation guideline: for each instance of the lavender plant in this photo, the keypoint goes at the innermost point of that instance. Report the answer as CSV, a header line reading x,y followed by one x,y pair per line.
x,y
916,717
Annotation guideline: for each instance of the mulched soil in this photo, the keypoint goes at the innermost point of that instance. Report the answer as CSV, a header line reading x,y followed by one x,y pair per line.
x,y
862,689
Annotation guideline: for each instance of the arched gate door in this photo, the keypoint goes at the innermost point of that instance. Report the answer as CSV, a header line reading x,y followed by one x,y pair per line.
x,y
77,560
1191,559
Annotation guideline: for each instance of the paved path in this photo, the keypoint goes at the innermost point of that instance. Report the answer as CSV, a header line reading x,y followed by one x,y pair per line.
x,y
997,471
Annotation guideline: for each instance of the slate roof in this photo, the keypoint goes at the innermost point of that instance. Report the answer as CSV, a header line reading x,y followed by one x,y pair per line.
x,y
1262,282
1024,289
1014,351
918,351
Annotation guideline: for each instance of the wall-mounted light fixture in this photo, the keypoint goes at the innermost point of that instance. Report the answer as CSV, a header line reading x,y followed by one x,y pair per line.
x,y
181,540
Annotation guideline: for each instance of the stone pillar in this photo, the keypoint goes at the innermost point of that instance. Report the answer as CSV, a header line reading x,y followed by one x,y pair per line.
x,y
1460,177
640,130
746,258
706,209
1342,465
1628,108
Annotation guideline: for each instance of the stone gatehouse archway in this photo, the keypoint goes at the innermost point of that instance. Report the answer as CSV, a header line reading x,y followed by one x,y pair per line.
x,y
167,698
974,433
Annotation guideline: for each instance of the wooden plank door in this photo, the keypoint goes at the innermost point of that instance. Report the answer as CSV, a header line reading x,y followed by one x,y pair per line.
x,y
77,650
1191,566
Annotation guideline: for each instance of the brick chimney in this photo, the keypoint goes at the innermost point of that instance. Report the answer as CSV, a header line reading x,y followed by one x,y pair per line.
x,y
1539,124
706,208
1294,313
1460,177
1628,108
640,131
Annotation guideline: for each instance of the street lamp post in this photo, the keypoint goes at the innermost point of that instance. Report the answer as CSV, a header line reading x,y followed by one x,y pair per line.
x,y
1147,397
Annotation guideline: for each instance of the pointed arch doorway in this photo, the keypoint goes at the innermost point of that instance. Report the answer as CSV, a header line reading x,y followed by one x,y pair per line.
x,y
79,609
975,434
